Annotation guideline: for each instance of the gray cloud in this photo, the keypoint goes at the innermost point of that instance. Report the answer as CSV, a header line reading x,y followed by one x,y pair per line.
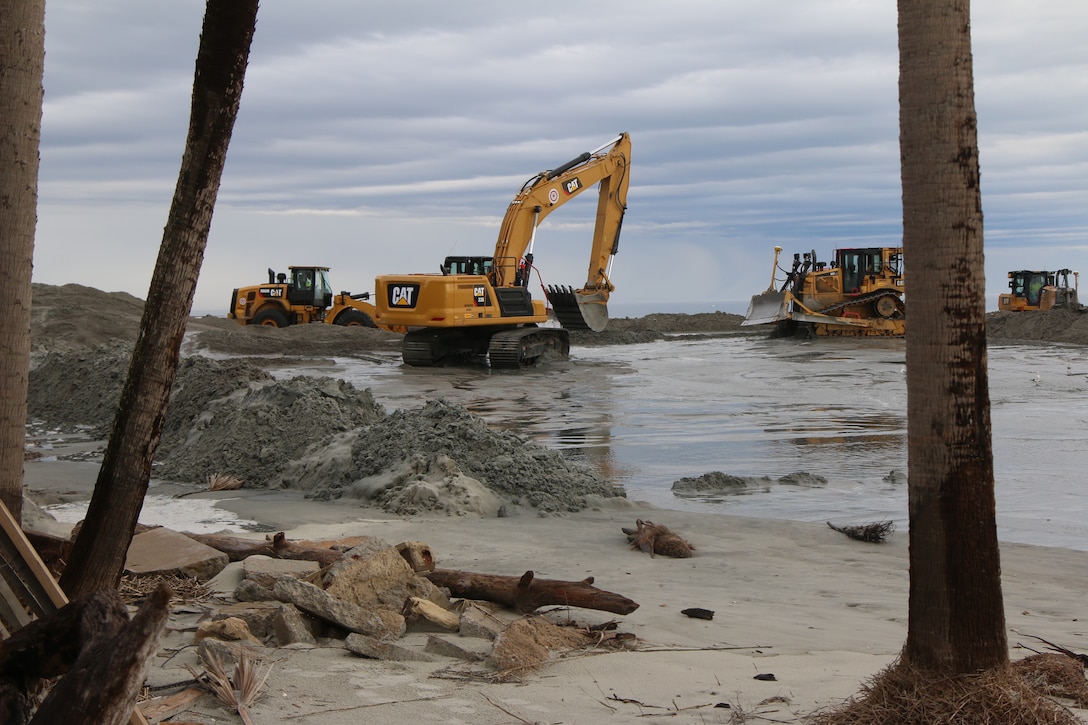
x,y
377,137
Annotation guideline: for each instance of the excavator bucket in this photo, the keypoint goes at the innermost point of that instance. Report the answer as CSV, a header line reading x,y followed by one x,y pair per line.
x,y
579,309
766,308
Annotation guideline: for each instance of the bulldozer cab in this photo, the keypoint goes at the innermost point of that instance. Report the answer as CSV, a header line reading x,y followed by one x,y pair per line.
x,y
858,265
309,287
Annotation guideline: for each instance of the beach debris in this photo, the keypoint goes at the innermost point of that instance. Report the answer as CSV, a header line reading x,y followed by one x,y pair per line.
x,y
698,613
529,643
1082,658
278,547
100,655
424,615
316,602
875,533
766,677
527,593
654,539
162,551
375,575
240,689
380,649
217,482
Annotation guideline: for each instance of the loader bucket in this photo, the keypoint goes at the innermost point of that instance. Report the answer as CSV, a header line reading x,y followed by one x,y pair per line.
x,y
579,309
766,308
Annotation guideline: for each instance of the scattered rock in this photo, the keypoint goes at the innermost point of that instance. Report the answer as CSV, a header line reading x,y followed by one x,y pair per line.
x,y
162,551
377,649
319,603
265,570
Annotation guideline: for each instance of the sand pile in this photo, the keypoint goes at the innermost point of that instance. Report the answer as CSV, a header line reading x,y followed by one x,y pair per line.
x,y
319,435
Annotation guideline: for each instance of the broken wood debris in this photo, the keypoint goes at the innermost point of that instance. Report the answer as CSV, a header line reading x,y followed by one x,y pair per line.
x,y
651,538
874,533
527,593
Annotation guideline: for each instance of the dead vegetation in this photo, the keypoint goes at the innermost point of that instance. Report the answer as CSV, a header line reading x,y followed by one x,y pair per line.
x,y
901,695
651,538
875,533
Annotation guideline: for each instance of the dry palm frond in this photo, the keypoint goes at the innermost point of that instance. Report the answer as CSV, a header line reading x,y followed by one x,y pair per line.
x,y
238,691
224,482
873,533
901,695
217,482
187,590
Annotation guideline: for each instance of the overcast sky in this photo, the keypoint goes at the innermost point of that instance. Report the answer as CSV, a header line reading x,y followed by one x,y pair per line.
x,y
378,137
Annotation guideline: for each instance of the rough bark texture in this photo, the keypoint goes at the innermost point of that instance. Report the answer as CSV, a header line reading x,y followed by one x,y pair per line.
x,y
100,656
956,620
22,63
278,547
99,552
527,594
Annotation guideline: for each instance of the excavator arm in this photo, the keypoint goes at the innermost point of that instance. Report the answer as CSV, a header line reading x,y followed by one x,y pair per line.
x,y
608,166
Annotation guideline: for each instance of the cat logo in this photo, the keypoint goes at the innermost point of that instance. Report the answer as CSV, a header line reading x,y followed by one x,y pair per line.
x,y
479,296
573,186
403,295
271,291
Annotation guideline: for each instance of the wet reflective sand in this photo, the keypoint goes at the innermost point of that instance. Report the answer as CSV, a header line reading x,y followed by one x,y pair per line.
x,y
647,415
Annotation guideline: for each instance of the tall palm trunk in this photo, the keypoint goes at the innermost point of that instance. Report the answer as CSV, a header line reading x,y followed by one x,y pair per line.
x,y
22,64
956,620
98,556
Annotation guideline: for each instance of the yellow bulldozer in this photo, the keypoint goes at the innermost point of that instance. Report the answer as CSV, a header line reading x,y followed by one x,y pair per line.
x,y
1032,290
480,307
300,296
858,293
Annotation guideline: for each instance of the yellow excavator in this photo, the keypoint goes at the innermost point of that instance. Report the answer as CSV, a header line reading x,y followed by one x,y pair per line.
x,y
1030,290
300,296
858,293
477,307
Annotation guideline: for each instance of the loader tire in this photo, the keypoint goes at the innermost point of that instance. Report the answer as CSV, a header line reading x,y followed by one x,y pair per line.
x,y
354,318
271,318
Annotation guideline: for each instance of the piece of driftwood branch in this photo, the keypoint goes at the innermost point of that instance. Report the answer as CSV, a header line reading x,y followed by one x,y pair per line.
x,y
871,533
527,593
100,656
277,546
651,538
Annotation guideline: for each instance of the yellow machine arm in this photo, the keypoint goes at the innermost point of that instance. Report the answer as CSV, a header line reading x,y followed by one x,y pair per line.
x,y
608,166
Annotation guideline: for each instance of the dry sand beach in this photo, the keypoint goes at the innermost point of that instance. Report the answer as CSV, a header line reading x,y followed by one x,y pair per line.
x,y
802,614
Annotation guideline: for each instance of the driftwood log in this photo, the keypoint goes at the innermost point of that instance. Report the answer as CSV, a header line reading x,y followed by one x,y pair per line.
x,y
100,656
277,546
527,593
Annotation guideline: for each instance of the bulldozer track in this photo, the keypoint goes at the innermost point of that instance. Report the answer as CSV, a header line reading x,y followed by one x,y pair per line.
x,y
860,300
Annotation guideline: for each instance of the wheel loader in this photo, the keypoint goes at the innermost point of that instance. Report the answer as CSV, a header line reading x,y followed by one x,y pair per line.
x,y
858,293
476,307
300,296
1030,290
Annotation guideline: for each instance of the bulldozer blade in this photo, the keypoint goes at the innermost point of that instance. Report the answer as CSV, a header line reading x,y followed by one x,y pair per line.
x,y
766,308
578,309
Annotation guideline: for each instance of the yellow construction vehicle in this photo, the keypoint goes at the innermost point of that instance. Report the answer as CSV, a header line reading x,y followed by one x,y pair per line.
x,y
1030,290
300,296
481,306
859,293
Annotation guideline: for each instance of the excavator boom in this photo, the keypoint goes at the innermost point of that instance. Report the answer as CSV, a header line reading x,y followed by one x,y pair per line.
x,y
606,166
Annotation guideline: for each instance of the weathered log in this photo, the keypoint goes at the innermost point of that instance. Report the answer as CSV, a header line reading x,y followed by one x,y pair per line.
x,y
278,547
101,656
527,594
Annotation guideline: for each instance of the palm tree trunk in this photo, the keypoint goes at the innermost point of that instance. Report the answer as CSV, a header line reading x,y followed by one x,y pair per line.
x,y
98,556
22,64
956,620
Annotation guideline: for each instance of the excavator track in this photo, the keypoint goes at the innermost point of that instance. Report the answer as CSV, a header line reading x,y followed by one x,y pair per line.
x,y
527,346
